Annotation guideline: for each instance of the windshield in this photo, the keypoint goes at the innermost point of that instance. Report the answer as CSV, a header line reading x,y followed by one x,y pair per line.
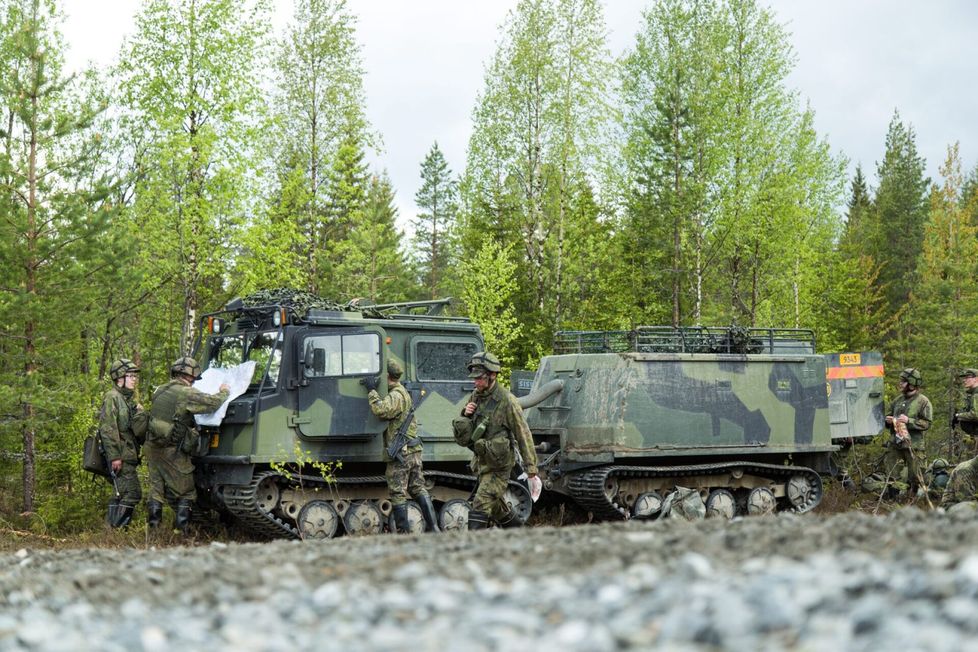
x,y
264,348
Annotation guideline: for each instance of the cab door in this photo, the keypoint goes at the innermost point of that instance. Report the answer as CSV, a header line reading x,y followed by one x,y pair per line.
x,y
332,362
855,388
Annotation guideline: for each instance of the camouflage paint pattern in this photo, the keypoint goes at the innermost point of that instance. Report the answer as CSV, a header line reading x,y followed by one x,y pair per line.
x,y
330,417
633,405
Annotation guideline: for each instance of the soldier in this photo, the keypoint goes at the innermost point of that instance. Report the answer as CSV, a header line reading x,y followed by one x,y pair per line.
x,y
405,479
120,419
493,427
963,482
968,419
173,436
910,416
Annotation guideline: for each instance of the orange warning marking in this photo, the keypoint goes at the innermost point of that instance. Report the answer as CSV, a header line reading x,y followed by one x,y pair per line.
x,y
865,371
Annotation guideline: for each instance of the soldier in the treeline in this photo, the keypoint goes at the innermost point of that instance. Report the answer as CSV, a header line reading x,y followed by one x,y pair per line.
x,y
122,428
492,425
172,438
910,416
963,482
405,479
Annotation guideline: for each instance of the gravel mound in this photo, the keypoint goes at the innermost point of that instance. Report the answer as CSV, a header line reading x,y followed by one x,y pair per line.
x,y
908,580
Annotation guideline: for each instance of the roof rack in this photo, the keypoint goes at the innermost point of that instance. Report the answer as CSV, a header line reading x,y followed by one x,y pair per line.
x,y
688,339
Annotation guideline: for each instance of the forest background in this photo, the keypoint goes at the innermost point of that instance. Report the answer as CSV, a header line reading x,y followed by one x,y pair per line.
x,y
683,182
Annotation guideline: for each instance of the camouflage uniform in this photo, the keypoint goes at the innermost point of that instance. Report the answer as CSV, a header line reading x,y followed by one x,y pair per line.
x,y
115,427
919,411
505,431
968,418
172,438
963,483
404,479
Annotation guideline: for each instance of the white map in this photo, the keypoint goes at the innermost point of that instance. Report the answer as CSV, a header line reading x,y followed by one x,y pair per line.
x,y
238,377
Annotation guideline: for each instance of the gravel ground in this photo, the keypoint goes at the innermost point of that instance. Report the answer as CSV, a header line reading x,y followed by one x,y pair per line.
x,y
905,581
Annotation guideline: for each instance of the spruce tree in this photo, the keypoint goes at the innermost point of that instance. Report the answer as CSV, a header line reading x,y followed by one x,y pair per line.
x,y
434,227
900,208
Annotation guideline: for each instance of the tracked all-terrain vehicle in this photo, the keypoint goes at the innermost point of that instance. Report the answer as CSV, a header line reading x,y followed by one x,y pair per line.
x,y
306,407
742,416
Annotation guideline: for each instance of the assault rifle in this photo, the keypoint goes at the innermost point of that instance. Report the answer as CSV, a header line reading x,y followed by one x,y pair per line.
x,y
400,440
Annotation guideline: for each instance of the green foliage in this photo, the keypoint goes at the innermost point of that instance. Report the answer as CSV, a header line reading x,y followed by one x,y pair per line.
x,y
944,300
296,464
488,286
369,262
729,194
537,130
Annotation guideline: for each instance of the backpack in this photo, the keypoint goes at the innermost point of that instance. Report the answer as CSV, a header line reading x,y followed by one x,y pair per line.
x,y
93,456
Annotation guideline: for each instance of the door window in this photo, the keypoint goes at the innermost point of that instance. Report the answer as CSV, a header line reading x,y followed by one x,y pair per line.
x,y
341,355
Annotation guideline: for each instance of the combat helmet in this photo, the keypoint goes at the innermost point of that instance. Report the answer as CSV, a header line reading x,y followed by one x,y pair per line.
x,y
482,362
185,365
121,367
911,376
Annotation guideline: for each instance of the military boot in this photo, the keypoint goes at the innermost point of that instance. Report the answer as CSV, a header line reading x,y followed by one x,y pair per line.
x,y
182,519
428,510
478,520
401,523
154,513
112,513
510,519
120,514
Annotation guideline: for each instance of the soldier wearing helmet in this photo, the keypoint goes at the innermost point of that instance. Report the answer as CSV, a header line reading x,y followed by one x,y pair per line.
x,y
493,427
962,485
171,440
911,411
968,417
405,476
122,428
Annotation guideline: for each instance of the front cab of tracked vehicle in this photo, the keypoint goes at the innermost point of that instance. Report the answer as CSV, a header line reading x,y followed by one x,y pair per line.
x,y
307,406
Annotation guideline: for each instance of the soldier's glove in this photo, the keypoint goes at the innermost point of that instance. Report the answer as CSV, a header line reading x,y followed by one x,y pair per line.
x,y
536,486
370,382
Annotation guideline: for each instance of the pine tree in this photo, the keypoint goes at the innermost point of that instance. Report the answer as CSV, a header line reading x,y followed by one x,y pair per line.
x,y
56,206
434,228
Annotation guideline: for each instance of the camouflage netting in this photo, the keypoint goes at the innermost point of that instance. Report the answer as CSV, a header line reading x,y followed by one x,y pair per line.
x,y
301,302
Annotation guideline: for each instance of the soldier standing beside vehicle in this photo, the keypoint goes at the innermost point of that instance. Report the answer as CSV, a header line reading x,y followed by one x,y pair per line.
x,y
405,475
962,485
171,440
122,428
910,417
492,425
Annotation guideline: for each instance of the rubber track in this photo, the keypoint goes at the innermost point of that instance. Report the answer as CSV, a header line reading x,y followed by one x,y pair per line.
x,y
242,502
587,487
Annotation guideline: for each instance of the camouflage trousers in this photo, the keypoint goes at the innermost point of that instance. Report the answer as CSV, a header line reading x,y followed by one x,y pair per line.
x,y
963,483
127,484
489,494
171,475
406,479
896,459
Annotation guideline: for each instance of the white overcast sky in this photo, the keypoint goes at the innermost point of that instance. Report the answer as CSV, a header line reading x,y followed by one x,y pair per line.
x,y
857,61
